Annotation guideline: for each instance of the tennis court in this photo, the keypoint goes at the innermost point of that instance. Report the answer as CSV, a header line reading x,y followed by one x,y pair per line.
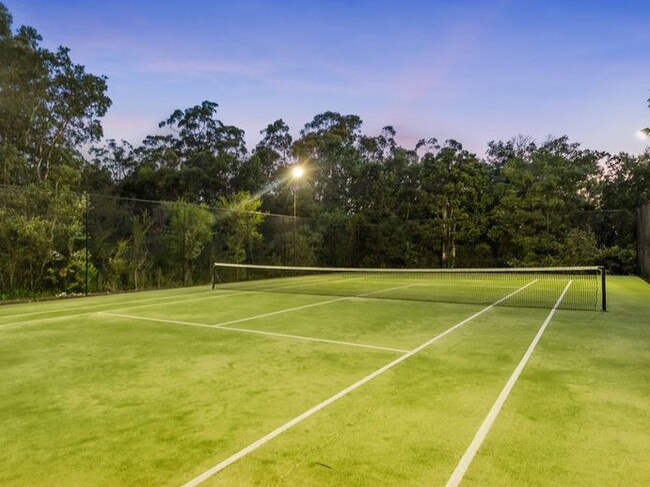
x,y
332,379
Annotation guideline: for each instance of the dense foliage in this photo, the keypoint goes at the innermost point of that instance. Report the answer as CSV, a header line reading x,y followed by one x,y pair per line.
x,y
364,201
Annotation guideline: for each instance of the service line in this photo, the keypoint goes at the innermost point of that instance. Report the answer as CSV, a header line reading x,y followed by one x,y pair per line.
x,y
226,324
254,332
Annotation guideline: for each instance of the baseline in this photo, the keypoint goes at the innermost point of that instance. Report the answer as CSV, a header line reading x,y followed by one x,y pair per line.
x,y
484,429
76,315
310,412
255,332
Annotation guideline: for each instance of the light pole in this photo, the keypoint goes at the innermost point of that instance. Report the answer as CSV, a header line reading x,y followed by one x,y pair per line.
x,y
296,173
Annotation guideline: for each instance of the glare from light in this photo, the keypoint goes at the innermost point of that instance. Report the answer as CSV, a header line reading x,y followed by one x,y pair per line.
x,y
297,172
643,133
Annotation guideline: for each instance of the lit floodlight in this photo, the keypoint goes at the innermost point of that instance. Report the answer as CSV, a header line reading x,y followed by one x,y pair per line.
x,y
643,133
297,172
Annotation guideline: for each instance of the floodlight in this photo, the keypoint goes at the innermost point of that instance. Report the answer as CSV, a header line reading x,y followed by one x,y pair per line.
x,y
644,133
297,172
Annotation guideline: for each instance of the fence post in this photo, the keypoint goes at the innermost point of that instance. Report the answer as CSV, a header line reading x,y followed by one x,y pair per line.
x,y
603,279
643,240
86,209
184,250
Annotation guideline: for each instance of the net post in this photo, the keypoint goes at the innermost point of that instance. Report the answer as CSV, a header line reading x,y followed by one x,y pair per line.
x,y
214,276
603,279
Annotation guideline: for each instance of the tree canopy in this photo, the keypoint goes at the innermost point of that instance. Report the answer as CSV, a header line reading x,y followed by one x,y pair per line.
x,y
365,200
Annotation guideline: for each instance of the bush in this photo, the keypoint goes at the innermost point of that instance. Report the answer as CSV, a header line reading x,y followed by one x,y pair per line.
x,y
618,260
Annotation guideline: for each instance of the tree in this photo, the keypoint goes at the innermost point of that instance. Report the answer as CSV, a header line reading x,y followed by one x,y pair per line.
x,y
625,186
198,160
190,229
117,157
49,107
328,145
383,199
42,240
239,226
539,191
452,187
260,172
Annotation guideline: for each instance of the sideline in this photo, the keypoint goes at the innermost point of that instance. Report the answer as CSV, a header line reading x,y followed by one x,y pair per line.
x,y
470,453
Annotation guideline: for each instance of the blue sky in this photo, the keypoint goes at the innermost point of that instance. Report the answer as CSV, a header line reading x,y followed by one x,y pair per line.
x,y
470,70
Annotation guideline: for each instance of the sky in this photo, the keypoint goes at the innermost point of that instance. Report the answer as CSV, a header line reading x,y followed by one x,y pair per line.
x,y
474,71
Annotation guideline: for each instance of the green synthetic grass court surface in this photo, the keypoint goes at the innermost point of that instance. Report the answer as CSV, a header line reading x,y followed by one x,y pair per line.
x,y
104,391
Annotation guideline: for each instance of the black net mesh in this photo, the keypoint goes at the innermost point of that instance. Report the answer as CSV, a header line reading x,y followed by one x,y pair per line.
x,y
643,240
534,287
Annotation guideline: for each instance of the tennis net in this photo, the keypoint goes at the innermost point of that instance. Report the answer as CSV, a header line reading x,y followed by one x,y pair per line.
x,y
469,286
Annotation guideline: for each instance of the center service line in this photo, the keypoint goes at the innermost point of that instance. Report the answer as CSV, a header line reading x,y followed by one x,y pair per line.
x,y
305,306
482,432
310,412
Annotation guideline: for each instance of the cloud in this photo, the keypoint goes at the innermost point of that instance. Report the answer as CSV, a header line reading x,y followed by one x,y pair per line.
x,y
199,67
289,77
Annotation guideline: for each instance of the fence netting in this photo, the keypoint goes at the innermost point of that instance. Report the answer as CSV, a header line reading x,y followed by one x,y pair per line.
x,y
54,242
643,240
137,244
59,242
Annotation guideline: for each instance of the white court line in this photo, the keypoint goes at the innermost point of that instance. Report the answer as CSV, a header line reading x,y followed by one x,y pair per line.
x,y
202,298
93,304
464,284
468,456
75,315
257,332
310,412
300,337
157,320
305,306
261,288
234,293
264,283
314,283
42,320
272,313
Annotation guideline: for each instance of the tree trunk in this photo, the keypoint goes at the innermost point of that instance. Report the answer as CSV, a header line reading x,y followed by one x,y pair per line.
x,y
448,239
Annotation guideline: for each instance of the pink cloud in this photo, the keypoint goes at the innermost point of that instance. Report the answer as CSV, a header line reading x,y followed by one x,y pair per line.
x,y
203,67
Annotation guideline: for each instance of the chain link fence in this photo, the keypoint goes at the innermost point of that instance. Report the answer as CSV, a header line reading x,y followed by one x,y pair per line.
x,y
42,241
135,244
56,242
643,240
